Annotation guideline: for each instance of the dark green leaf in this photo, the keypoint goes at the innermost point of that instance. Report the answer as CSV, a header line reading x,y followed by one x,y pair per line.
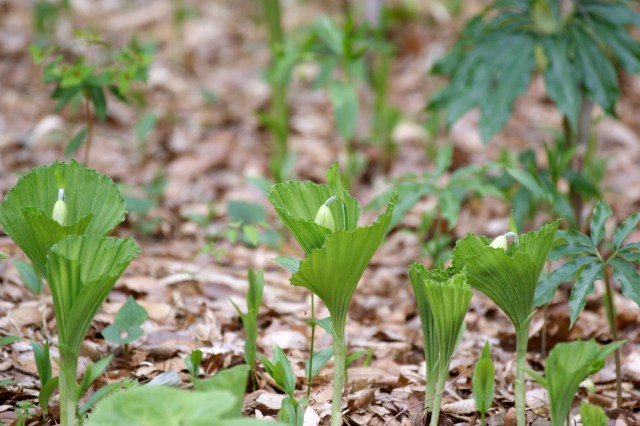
x,y
99,102
627,275
583,287
560,78
192,362
567,272
624,229
126,325
601,213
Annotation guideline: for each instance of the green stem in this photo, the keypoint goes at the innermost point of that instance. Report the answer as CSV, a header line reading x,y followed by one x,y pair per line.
x,y
339,377
483,420
522,336
610,309
430,390
68,389
437,403
311,345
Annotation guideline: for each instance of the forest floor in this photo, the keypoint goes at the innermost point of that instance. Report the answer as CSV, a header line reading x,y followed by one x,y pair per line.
x,y
206,85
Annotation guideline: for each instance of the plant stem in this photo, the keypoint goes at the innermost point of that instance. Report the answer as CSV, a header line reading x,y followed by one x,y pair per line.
x,y
339,377
442,378
610,309
68,389
311,345
89,117
522,340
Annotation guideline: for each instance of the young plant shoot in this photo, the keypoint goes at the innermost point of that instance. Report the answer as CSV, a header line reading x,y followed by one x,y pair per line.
x,y
336,259
58,214
484,382
291,411
250,319
567,366
591,257
508,273
443,297
593,415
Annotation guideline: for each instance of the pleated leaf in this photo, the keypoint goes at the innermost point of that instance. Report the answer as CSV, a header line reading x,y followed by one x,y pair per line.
x,y
81,270
567,366
94,206
449,302
510,277
297,204
333,271
418,274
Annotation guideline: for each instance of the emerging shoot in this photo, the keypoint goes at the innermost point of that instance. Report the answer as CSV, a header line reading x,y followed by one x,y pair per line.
x,y
60,209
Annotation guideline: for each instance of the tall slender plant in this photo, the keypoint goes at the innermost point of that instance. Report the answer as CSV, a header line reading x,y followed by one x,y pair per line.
x,y
509,275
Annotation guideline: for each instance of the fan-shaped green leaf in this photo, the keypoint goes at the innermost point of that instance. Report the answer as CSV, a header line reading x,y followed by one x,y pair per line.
x,y
81,270
333,271
94,206
418,274
297,204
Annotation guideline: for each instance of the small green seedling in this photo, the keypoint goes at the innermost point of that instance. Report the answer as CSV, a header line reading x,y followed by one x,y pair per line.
x,y
591,257
48,384
79,81
593,415
250,318
192,362
292,410
24,411
509,274
126,324
567,366
219,403
29,276
443,298
336,258
484,382
58,215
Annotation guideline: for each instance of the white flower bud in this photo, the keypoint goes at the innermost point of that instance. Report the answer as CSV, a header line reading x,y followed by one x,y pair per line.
x,y
325,218
500,242
60,209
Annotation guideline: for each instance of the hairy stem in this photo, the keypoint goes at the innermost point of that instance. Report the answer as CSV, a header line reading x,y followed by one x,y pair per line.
x,y
311,345
339,377
610,309
522,336
68,389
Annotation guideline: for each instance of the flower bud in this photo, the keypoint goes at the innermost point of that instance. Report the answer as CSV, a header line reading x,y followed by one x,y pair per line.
x,y
325,218
500,242
60,209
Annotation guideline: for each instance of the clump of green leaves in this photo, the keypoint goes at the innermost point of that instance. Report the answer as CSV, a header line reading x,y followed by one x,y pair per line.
x,y
443,297
250,318
567,366
509,275
593,415
484,382
292,410
81,81
575,45
591,257
335,258
59,215
126,325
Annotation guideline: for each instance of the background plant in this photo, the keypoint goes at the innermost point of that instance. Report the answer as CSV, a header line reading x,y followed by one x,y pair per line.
x,y
509,276
126,326
250,319
567,366
291,410
484,382
593,415
591,257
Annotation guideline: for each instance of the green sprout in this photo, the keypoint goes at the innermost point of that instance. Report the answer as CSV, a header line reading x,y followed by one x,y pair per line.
x,y
78,261
484,382
567,366
335,259
593,415
48,384
280,370
443,298
126,324
509,276
250,319
591,257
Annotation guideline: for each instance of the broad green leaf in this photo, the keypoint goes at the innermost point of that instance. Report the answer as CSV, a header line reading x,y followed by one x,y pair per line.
x,y
93,202
559,78
627,275
549,284
126,324
324,323
160,405
583,287
232,380
333,271
104,392
484,381
320,359
345,103
624,229
593,415
601,213
297,204
81,270
29,276
510,277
